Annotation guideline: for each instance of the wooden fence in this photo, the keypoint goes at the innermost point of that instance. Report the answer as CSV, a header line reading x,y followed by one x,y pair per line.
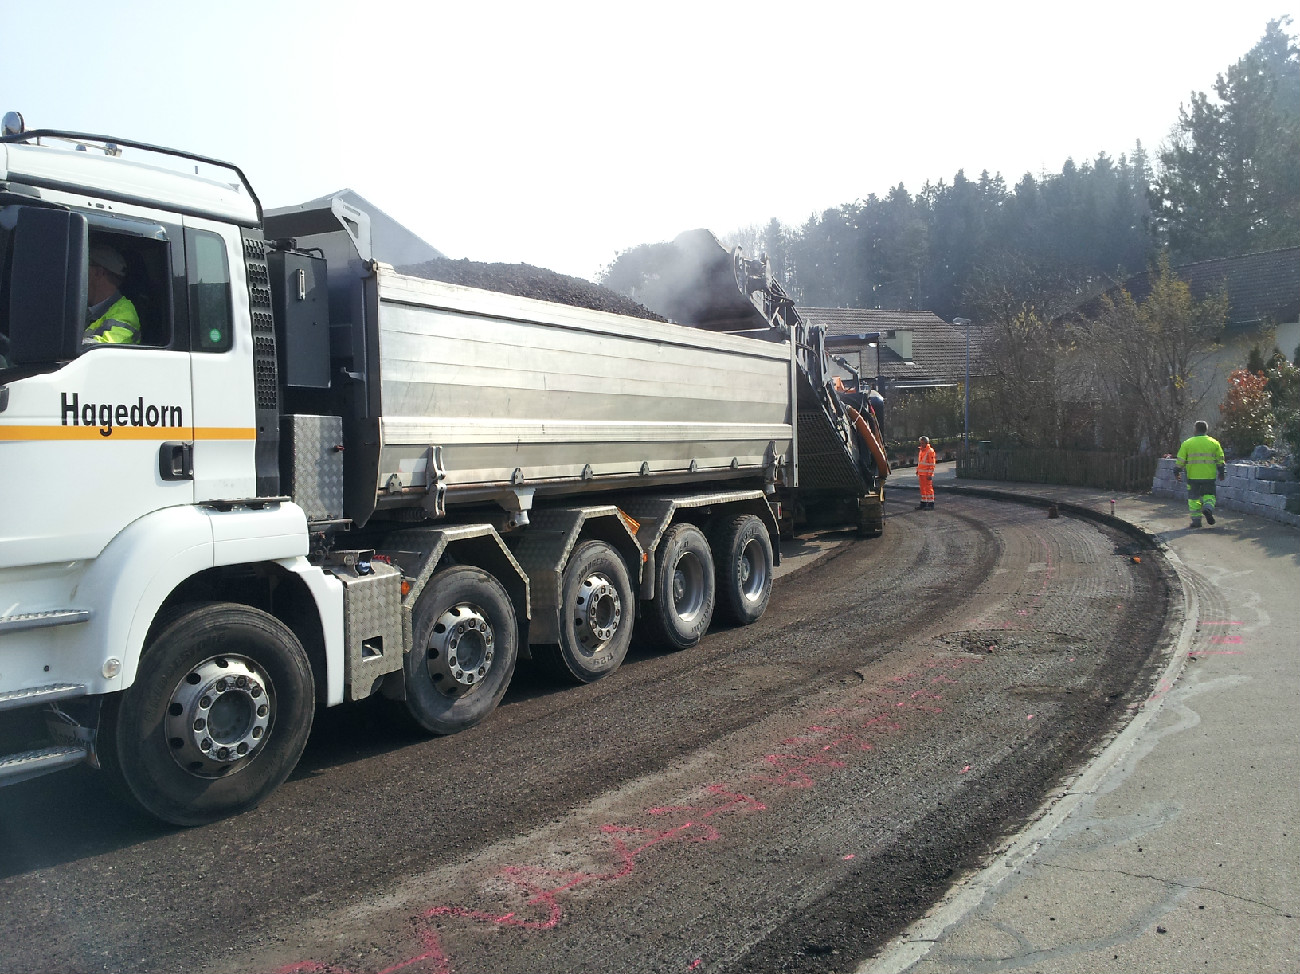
x,y
1079,468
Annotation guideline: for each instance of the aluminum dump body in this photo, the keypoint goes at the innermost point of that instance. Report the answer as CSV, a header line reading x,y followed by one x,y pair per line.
x,y
520,393
452,395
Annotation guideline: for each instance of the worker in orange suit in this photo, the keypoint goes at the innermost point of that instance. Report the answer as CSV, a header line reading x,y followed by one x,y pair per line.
x,y
925,474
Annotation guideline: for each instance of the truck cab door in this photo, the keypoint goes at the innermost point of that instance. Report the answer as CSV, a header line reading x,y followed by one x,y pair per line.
x,y
90,445
221,363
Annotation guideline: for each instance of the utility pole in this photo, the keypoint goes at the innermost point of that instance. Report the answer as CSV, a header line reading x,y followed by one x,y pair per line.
x,y
965,436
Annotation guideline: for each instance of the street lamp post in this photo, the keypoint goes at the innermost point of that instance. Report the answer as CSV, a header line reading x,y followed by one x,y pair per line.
x,y
965,435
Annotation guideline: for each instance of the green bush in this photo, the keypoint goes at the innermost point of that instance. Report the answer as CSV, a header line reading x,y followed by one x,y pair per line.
x,y
1283,385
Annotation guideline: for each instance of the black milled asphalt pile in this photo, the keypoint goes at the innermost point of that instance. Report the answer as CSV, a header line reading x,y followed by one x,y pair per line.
x,y
527,281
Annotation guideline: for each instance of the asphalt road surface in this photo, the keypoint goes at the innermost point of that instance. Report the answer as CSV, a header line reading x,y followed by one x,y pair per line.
x,y
783,797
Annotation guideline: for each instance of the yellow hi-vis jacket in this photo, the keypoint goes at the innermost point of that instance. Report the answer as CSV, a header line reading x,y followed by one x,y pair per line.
x,y
1200,456
120,324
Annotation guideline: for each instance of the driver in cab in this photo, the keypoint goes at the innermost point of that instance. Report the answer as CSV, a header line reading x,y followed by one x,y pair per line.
x,y
112,316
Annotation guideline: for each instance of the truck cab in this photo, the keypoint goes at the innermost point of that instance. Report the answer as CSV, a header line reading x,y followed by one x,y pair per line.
x,y
130,467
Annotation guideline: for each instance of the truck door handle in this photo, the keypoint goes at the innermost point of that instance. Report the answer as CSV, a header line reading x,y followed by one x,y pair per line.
x,y
176,461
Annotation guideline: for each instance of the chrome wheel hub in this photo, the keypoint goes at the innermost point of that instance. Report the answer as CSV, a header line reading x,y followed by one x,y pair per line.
x,y
597,613
461,649
219,715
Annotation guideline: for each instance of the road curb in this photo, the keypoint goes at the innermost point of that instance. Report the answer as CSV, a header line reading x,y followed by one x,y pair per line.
x,y
969,892
1136,531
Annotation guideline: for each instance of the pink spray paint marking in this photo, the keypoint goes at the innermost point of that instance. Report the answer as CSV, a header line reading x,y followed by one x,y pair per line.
x,y
1231,639
545,886
794,773
540,892
795,765
1163,687
817,731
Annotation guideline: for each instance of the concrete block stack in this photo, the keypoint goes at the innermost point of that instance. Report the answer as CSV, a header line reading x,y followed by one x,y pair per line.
x,y
1163,484
1260,489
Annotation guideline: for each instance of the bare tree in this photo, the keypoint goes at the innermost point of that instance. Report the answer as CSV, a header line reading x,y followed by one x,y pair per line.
x,y
1021,354
1148,355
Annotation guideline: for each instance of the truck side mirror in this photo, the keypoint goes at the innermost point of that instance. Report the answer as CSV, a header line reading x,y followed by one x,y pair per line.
x,y
47,286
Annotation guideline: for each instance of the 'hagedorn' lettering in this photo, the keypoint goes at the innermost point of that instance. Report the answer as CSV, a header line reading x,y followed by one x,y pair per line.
x,y
107,415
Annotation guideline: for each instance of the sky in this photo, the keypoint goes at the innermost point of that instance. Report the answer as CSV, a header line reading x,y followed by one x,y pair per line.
x,y
560,134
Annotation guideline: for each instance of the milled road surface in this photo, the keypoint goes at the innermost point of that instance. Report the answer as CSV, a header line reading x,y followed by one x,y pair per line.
x,y
783,797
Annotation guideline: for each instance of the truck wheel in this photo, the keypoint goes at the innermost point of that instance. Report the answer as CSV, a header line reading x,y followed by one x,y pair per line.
x,y
597,609
217,718
465,641
743,552
682,607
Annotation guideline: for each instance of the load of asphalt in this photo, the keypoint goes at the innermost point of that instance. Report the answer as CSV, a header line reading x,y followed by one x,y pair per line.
x,y
527,281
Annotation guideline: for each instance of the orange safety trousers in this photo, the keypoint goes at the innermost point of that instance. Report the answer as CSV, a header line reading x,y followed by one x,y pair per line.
x,y
925,473
925,461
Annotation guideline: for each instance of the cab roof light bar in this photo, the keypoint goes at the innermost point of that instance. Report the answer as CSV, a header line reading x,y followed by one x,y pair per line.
x,y
108,143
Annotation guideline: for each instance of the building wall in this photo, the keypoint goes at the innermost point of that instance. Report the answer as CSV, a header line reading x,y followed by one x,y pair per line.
x,y
1211,382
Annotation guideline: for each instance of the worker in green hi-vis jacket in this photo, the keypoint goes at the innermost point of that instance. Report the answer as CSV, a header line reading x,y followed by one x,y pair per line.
x,y
1202,457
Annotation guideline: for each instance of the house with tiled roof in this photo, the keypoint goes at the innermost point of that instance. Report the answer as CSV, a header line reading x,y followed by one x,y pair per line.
x,y
917,349
1263,289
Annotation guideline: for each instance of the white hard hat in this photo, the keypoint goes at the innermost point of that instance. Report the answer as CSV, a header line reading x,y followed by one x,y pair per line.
x,y
102,255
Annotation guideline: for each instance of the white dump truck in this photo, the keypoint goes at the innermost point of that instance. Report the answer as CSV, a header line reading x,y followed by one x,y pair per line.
x,y
312,478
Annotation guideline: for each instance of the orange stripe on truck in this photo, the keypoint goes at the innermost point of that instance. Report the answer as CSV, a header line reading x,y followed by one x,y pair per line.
x,y
14,433
225,433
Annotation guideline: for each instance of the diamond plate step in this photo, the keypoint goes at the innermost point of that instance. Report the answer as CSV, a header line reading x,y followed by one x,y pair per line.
x,y
43,620
30,764
33,696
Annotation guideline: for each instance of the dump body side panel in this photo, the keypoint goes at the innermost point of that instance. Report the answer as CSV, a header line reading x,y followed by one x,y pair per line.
x,y
523,392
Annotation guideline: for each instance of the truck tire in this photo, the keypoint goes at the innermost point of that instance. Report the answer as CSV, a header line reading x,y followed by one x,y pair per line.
x,y
684,591
743,553
597,610
216,719
465,640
